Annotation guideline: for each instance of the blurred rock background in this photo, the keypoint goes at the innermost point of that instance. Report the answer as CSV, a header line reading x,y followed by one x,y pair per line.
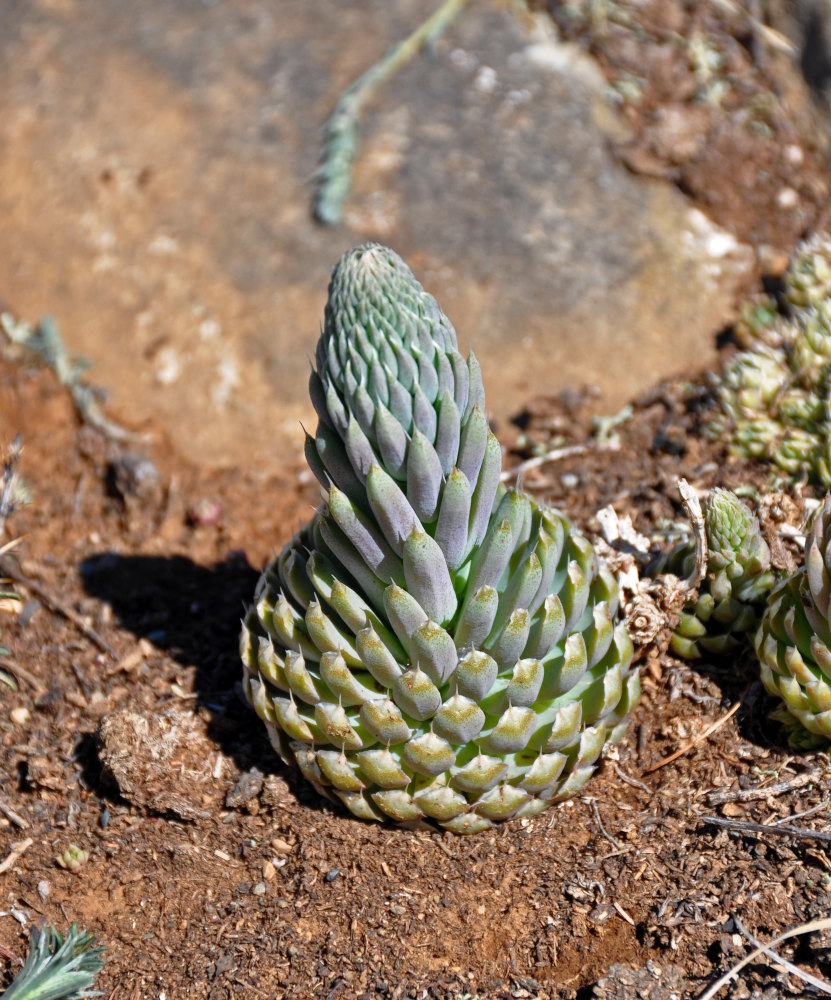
x,y
578,226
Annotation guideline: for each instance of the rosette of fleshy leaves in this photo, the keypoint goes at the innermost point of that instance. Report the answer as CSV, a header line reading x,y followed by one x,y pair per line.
x,y
431,646
808,279
775,396
738,580
793,641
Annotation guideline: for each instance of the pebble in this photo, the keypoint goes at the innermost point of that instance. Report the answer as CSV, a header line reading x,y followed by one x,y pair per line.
x,y
332,874
787,198
44,888
259,889
20,716
204,513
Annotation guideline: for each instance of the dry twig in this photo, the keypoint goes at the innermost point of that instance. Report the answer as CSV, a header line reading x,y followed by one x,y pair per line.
x,y
16,852
783,830
701,736
16,818
615,843
814,925
717,798
692,505
550,456
57,605
629,779
13,667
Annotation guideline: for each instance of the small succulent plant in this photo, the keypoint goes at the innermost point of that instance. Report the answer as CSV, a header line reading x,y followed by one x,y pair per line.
x,y
738,580
808,281
793,642
775,395
431,645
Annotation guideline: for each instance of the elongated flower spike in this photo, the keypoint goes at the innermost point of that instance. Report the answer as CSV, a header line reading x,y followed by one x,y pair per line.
x,y
431,646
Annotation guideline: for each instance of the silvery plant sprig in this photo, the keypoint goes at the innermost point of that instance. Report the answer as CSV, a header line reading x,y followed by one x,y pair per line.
x,y
58,966
431,646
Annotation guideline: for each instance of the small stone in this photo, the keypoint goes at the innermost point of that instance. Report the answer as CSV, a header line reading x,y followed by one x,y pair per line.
x,y
772,260
269,871
20,716
332,874
44,888
794,155
787,198
281,846
133,475
259,889
204,513
248,786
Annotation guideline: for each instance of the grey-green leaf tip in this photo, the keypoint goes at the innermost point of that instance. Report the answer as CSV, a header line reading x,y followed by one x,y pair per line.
x,y
430,647
793,641
739,577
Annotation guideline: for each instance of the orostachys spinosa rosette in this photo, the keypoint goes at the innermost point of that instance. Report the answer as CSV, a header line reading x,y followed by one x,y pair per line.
x,y
431,645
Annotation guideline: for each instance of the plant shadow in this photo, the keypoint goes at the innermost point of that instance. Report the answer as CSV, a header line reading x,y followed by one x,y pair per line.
x,y
193,613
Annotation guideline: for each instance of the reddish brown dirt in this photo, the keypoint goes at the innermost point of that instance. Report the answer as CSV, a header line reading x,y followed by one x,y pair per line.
x,y
273,892
716,105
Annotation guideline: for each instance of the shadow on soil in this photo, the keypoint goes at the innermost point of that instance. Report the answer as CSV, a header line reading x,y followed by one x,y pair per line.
x,y
193,613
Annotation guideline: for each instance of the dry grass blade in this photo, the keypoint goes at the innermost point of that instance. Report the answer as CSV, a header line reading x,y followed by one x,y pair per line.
x,y
807,977
17,852
809,928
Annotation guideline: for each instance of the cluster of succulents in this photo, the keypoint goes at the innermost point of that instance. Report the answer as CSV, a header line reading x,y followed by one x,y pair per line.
x,y
793,642
775,395
431,646
739,578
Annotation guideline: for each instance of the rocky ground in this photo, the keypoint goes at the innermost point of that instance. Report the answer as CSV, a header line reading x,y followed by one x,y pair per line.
x,y
210,870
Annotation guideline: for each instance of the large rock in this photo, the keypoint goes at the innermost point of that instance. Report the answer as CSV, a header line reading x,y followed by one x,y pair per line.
x,y
156,164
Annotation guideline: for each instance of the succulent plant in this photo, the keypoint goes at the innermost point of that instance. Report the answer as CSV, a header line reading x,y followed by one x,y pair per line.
x,y
808,280
738,580
431,645
793,641
775,396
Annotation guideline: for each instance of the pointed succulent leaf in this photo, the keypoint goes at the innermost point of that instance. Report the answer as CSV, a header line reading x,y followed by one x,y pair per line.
x,y
428,578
